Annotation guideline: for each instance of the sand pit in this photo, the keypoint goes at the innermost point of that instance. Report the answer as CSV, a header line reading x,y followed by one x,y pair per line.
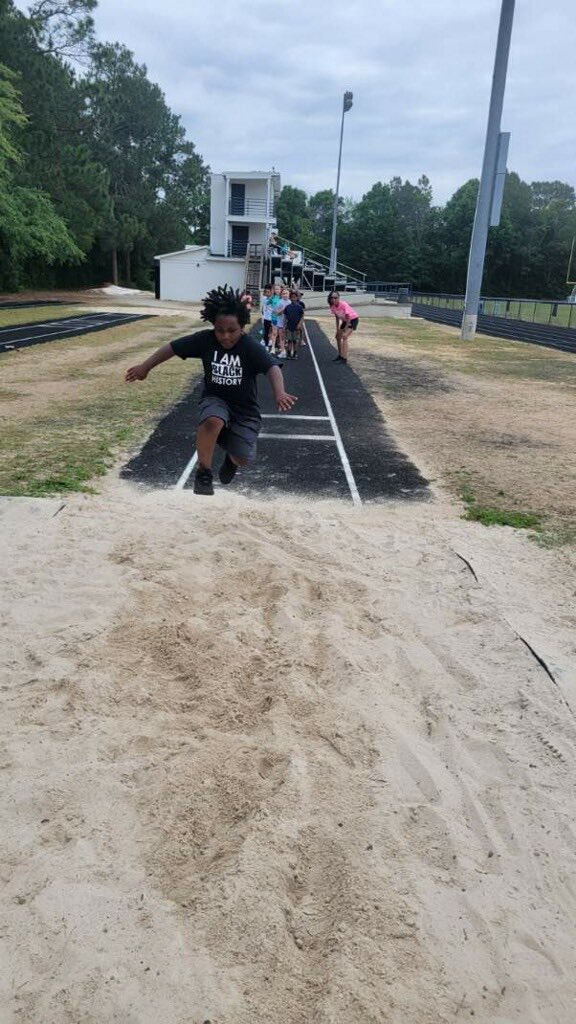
x,y
283,763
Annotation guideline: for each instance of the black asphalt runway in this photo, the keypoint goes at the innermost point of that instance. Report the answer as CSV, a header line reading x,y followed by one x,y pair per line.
x,y
337,450
14,304
67,327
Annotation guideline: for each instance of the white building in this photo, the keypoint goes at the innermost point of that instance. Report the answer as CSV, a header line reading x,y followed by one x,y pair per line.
x,y
242,216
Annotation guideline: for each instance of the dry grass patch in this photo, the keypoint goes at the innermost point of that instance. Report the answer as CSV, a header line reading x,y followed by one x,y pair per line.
x,y
34,314
66,413
493,420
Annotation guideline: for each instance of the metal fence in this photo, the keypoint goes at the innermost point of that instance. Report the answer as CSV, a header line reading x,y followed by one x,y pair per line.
x,y
260,208
395,291
534,311
237,249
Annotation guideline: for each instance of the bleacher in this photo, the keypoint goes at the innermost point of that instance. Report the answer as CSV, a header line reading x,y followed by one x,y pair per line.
x,y
308,270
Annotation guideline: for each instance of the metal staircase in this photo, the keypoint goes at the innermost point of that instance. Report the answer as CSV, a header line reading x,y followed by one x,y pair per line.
x,y
253,272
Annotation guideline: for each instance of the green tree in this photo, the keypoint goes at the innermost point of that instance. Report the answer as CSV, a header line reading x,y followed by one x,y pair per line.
x,y
11,117
371,240
30,228
320,214
156,178
293,216
56,158
64,28
554,203
416,226
455,233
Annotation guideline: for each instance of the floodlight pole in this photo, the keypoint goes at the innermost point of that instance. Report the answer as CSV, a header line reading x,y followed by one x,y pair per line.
x,y
346,105
484,204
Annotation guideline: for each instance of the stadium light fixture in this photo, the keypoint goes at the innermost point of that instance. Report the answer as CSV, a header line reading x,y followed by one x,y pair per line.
x,y
346,106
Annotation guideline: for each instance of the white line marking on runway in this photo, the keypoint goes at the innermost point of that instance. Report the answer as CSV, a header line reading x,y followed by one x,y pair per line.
x,y
337,436
85,318
290,416
300,437
183,479
74,330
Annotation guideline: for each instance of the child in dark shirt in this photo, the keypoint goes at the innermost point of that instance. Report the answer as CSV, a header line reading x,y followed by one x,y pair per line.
x,y
302,329
229,412
293,315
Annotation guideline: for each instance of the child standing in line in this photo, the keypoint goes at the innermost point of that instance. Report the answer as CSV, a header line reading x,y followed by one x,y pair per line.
x,y
229,414
346,322
266,314
285,297
301,328
293,314
277,305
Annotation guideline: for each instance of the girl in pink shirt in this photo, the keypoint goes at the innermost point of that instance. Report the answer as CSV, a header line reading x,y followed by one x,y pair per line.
x,y
346,322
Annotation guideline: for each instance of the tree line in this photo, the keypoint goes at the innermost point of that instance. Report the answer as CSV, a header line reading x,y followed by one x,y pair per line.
x,y
97,177
96,173
395,233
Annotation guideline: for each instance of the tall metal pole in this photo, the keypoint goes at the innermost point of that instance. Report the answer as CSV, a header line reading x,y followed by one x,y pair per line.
x,y
487,181
346,105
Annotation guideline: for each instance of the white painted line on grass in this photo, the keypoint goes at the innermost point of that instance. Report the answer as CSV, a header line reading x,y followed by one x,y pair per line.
x,y
183,479
337,436
300,437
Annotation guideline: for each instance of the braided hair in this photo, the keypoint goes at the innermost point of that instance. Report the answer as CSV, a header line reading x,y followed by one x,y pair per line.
x,y
225,301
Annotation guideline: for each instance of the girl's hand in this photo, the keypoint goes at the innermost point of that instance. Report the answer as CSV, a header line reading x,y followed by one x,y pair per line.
x,y
136,373
284,402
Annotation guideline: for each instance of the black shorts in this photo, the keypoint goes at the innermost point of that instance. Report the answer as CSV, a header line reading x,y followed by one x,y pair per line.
x,y
352,324
240,433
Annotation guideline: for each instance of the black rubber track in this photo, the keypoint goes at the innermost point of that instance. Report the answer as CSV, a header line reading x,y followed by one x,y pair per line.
x,y
561,338
24,335
294,465
10,304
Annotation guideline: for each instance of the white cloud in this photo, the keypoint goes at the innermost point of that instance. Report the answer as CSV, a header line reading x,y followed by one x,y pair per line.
x,y
261,85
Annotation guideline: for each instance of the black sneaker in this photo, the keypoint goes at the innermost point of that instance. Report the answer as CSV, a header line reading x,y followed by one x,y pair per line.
x,y
203,481
338,359
227,471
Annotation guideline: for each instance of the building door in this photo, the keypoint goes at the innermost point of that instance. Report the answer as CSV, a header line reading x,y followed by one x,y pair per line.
x,y
239,243
237,200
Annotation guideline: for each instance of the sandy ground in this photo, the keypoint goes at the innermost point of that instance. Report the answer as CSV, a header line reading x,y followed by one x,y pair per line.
x,y
283,763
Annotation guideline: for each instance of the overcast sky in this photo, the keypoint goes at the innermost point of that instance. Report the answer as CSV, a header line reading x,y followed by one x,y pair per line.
x,y
260,85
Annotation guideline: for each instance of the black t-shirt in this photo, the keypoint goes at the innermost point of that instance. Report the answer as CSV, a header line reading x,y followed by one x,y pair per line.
x,y
293,313
229,373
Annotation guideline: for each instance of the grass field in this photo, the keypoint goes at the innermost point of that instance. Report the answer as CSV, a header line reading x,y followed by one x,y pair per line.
x,y
34,314
66,412
484,356
493,421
